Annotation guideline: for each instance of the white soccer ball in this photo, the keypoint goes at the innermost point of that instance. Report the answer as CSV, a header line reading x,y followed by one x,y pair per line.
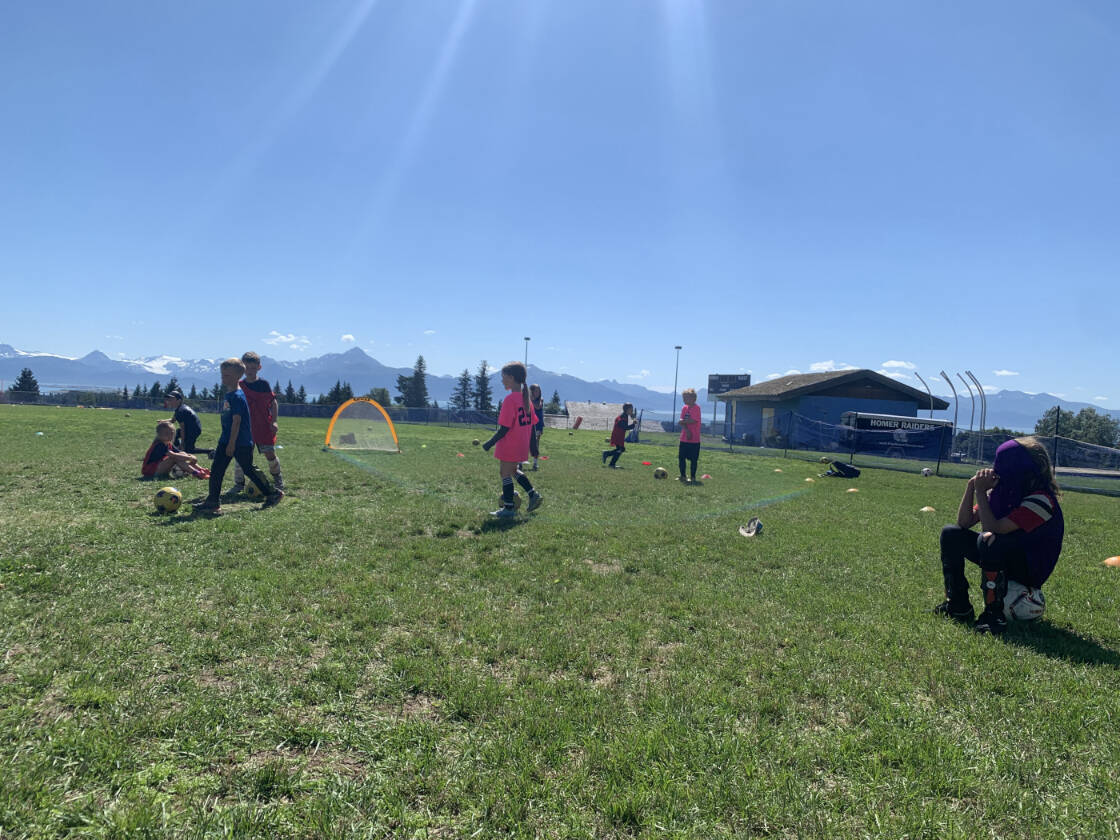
x,y
927,472
1022,602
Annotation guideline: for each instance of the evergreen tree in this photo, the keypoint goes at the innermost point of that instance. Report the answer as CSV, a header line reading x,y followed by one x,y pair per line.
x,y
404,390
380,396
204,394
347,393
138,391
25,384
301,396
124,393
217,392
193,394
463,393
173,383
483,396
554,406
290,393
334,395
155,392
419,393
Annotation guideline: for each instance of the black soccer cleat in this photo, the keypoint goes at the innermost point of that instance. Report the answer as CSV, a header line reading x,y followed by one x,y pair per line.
x,y
991,621
962,613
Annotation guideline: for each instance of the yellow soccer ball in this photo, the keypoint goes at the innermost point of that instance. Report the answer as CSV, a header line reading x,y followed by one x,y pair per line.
x,y
168,499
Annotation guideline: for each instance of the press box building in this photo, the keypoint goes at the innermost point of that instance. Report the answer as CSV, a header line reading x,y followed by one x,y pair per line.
x,y
758,415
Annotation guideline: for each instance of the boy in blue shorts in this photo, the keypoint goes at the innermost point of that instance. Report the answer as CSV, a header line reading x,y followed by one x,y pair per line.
x,y
235,443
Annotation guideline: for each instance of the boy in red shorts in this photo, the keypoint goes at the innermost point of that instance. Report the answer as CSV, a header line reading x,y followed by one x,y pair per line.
x,y
263,412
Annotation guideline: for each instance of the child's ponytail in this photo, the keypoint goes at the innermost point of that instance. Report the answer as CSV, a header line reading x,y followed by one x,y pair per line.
x,y
517,371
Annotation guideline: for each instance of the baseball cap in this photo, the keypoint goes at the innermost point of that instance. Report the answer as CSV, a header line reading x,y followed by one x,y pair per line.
x,y
174,392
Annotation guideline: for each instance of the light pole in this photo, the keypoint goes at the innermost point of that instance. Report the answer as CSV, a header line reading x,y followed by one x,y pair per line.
x,y
676,347
928,391
971,413
526,353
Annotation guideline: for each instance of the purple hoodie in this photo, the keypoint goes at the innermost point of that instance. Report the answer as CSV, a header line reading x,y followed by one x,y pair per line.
x,y
1016,469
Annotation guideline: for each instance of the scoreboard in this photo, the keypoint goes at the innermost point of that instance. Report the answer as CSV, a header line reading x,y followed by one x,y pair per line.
x,y
721,383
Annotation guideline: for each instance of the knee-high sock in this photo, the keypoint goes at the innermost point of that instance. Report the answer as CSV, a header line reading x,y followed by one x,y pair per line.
x,y
524,481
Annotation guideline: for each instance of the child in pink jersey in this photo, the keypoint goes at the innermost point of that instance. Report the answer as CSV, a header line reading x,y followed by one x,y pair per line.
x,y
689,448
511,441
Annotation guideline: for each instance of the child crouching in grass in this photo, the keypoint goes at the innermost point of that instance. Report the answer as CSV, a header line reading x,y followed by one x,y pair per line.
x,y
1015,502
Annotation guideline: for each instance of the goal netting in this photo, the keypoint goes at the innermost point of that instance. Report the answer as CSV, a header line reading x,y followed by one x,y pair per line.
x,y
362,424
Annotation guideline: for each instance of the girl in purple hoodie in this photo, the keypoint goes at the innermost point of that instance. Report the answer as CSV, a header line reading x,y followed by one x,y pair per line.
x,y
1015,502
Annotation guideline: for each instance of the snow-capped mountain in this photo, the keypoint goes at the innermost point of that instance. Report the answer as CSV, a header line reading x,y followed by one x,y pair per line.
x,y
1015,410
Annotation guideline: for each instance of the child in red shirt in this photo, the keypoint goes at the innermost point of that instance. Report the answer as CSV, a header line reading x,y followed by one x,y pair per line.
x,y
622,424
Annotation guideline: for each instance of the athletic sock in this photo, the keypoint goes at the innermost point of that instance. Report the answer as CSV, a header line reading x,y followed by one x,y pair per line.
x,y
524,481
507,491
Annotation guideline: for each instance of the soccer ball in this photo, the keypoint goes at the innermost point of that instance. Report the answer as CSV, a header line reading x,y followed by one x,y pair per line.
x,y
927,472
516,500
1022,602
660,472
252,491
168,499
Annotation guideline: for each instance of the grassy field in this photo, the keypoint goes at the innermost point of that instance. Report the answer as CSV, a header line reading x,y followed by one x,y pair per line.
x,y
375,658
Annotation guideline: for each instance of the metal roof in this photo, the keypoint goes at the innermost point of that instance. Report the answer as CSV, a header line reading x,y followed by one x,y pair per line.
x,y
801,384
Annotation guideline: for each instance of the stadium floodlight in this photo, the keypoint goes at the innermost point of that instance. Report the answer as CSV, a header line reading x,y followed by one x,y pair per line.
x,y
983,409
673,420
972,412
952,388
526,352
928,391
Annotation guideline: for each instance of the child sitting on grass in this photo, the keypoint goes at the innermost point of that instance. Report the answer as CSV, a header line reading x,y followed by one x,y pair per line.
x,y
1016,504
163,456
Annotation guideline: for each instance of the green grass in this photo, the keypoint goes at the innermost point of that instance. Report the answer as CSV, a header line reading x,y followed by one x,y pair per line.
x,y
375,658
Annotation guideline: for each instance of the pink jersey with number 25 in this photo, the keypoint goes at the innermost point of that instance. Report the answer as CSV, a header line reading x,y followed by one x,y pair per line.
x,y
515,445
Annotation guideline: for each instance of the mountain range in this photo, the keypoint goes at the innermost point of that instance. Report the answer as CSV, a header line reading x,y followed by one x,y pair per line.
x,y
1009,409
96,371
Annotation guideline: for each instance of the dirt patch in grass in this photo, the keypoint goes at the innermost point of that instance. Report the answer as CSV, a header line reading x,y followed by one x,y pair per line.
x,y
612,567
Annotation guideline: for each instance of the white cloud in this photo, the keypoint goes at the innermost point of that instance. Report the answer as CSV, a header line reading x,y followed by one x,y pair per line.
x,y
1006,372
892,363
793,372
830,365
642,374
429,332
1101,399
296,342
893,374
346,338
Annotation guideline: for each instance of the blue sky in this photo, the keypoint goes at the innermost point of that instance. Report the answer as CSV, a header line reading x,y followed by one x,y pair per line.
x,y
778,186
